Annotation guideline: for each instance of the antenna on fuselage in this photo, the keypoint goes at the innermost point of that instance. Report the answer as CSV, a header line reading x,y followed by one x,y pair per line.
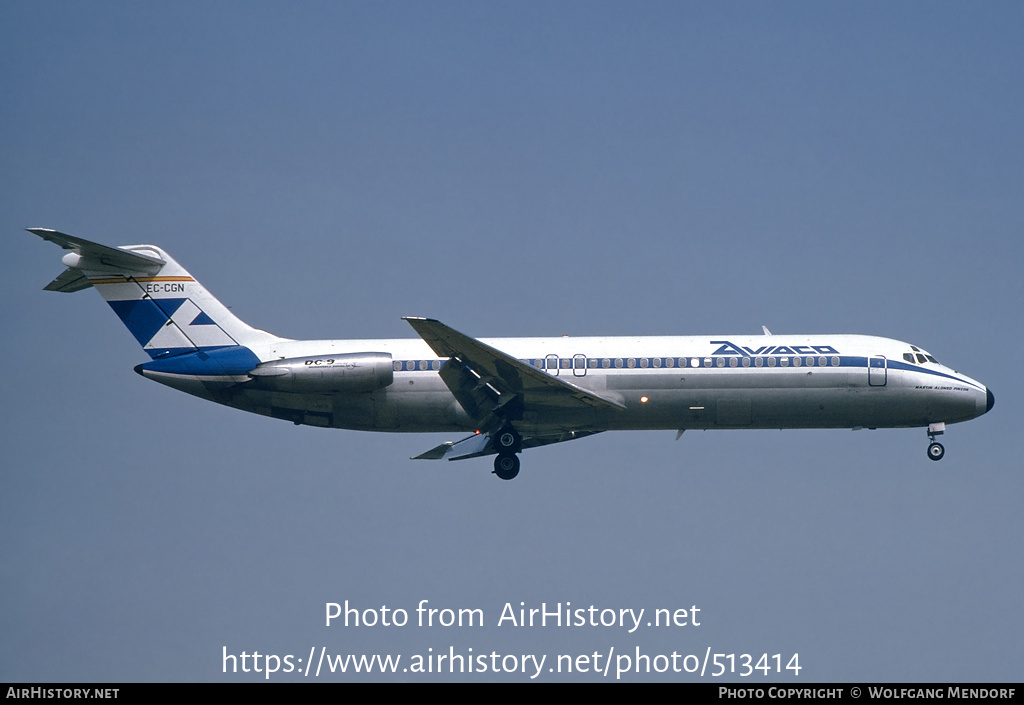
x,y
766,331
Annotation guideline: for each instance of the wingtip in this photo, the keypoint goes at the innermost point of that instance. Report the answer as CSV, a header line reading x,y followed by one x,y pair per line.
x,y
418,322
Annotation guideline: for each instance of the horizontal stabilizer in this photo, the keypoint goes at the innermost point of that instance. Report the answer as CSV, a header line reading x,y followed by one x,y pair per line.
x,y
112,257
68,282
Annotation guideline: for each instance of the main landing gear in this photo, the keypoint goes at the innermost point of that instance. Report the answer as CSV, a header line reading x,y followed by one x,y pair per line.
x,y
506,466
935,449
507,442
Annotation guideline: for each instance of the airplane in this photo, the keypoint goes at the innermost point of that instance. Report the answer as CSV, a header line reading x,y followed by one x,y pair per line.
x,y
512,394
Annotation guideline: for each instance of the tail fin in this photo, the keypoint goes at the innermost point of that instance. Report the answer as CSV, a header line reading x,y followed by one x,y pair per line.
x,y
167,311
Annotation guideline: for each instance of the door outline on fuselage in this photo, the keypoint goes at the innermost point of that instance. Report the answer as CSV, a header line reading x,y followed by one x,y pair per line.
x,y
551,362
579,365
877,374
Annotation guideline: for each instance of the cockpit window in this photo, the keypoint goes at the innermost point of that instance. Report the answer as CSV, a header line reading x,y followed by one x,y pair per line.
x,y
921,355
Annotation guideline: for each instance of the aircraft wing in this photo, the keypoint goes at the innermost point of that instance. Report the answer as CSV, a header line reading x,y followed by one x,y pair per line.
x,y
486,380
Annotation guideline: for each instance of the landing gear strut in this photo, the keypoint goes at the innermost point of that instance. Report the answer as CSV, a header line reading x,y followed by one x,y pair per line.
x,y
506,466
935,449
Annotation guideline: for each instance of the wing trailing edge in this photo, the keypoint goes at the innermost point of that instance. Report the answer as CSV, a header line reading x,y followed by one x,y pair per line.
x,y
480,444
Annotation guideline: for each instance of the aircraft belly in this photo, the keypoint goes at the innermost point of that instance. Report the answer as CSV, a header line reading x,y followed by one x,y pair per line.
x,y
430,411
769,408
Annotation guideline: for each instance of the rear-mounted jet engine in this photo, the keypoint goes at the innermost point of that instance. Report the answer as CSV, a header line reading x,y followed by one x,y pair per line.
x,y
350,372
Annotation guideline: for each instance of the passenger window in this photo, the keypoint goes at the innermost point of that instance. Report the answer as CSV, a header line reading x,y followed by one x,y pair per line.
x,y
835,361
759,362
771,362
746,362
822,362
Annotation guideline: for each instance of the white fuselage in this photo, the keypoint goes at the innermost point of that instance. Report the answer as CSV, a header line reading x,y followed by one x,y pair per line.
x,y
679,382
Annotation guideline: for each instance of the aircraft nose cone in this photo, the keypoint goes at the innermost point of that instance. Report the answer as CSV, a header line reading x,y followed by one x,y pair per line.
x,y
991,400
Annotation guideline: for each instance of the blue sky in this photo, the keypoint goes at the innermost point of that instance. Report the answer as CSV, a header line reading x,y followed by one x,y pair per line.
x,y
512,169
